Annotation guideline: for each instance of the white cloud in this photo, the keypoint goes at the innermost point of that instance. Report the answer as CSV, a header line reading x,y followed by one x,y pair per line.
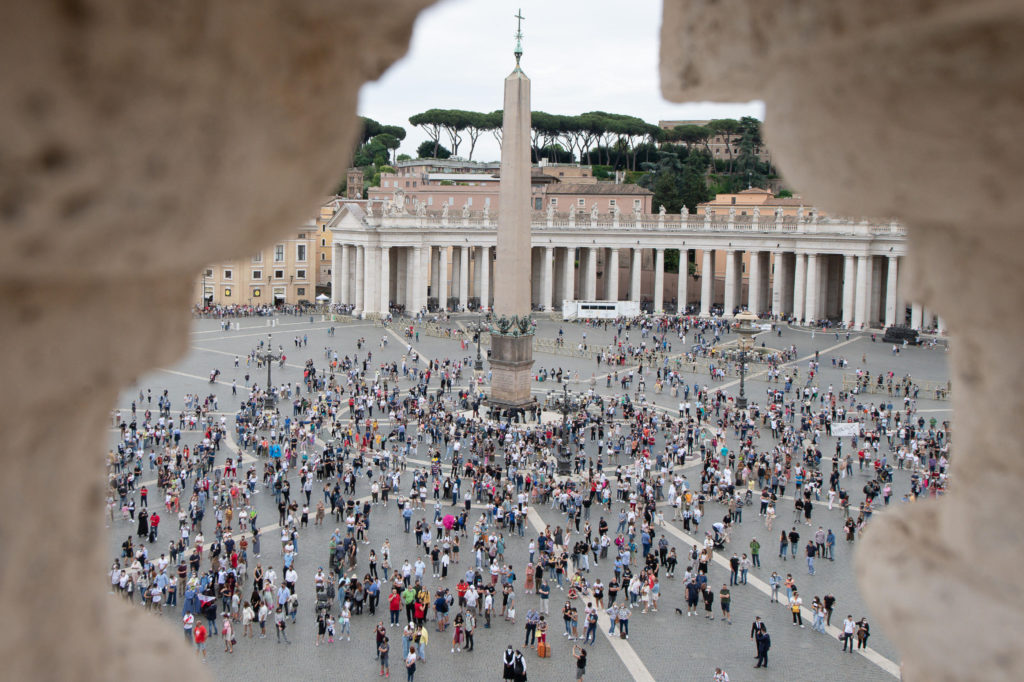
x,y
581,55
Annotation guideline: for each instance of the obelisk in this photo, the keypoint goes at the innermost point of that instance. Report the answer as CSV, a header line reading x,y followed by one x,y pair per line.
x,y
511,329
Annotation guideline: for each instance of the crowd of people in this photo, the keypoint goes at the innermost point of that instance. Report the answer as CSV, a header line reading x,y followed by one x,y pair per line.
x,y
398,443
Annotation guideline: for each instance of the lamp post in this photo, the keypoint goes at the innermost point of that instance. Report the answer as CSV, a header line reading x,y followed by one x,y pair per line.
x,y
269,357
746,329
202,295
564,462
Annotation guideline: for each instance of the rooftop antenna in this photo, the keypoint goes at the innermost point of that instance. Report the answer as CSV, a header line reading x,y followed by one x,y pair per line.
x,y
519,36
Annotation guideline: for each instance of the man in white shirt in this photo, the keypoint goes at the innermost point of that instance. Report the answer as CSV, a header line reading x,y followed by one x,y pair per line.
x,y
849,627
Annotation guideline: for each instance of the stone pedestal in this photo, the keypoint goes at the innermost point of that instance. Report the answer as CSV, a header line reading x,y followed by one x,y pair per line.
x,y
511,367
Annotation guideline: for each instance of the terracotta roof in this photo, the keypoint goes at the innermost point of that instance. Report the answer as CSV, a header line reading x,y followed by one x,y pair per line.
x,y
598,188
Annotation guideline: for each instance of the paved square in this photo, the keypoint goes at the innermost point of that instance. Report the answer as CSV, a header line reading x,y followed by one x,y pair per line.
x,y
661,645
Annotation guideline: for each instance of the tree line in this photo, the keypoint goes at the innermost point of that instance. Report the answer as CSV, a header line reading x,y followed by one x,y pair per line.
x,y
677,164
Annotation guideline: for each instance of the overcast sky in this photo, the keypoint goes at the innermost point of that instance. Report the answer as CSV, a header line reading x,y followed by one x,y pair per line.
x,y
581,55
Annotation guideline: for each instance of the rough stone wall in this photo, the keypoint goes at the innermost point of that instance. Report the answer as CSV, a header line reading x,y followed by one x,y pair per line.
x,y
141,141
911,110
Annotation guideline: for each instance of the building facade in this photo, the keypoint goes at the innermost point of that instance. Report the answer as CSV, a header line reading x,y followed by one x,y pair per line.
x,y
282,273
801,266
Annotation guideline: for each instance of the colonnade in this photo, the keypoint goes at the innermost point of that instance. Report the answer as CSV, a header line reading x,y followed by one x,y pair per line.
x,y
860,290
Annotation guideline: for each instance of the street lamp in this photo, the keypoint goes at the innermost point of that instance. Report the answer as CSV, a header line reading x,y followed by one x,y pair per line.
x,y
747,328
567,404
269,357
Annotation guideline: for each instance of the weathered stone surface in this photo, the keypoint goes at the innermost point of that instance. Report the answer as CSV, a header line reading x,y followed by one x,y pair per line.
x,y
142,141
909,110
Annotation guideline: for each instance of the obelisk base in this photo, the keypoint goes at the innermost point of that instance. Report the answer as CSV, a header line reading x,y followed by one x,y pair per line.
x,y
511,371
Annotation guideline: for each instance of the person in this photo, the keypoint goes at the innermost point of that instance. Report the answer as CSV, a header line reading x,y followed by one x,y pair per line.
x,y
282,624
863,632
187,622
382,652
580,654
410,664
849,626
764,643
227,632
519,667
725,601
200,639
795,606
508,658
720,675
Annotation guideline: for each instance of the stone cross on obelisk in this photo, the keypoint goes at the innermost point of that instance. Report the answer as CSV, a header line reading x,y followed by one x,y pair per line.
x,y
511,330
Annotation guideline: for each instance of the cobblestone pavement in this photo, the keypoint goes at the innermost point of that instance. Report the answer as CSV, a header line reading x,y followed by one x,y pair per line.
x,y
670,646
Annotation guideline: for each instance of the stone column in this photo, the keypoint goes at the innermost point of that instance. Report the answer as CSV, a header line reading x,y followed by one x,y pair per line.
x,y
419,278
591,275
917,316
890,291
402,277
659,280
875,303
360,279
707,282
860,317
635,273
849,282
754,289
730,283
547,273
340,267
435,273
811,311
463,276
799,287
611,289
485,277
779,284
901,304
384,285
683,280
568,292
372,284
442,277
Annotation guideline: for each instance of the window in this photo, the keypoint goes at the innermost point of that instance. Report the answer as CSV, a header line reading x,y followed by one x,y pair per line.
x,y
611,202
323,242
227,274
279,253
279,274
258,258
487,202
406,183
414,184
554,201
323,256
430,201
636,204
328,271
257,274
451,201
536,203
733,201
582,203
300,252
301,291
469,201
227,292
300,274
208,272
302,235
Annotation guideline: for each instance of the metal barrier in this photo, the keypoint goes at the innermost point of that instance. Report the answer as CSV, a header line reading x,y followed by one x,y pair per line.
x,y
899,388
